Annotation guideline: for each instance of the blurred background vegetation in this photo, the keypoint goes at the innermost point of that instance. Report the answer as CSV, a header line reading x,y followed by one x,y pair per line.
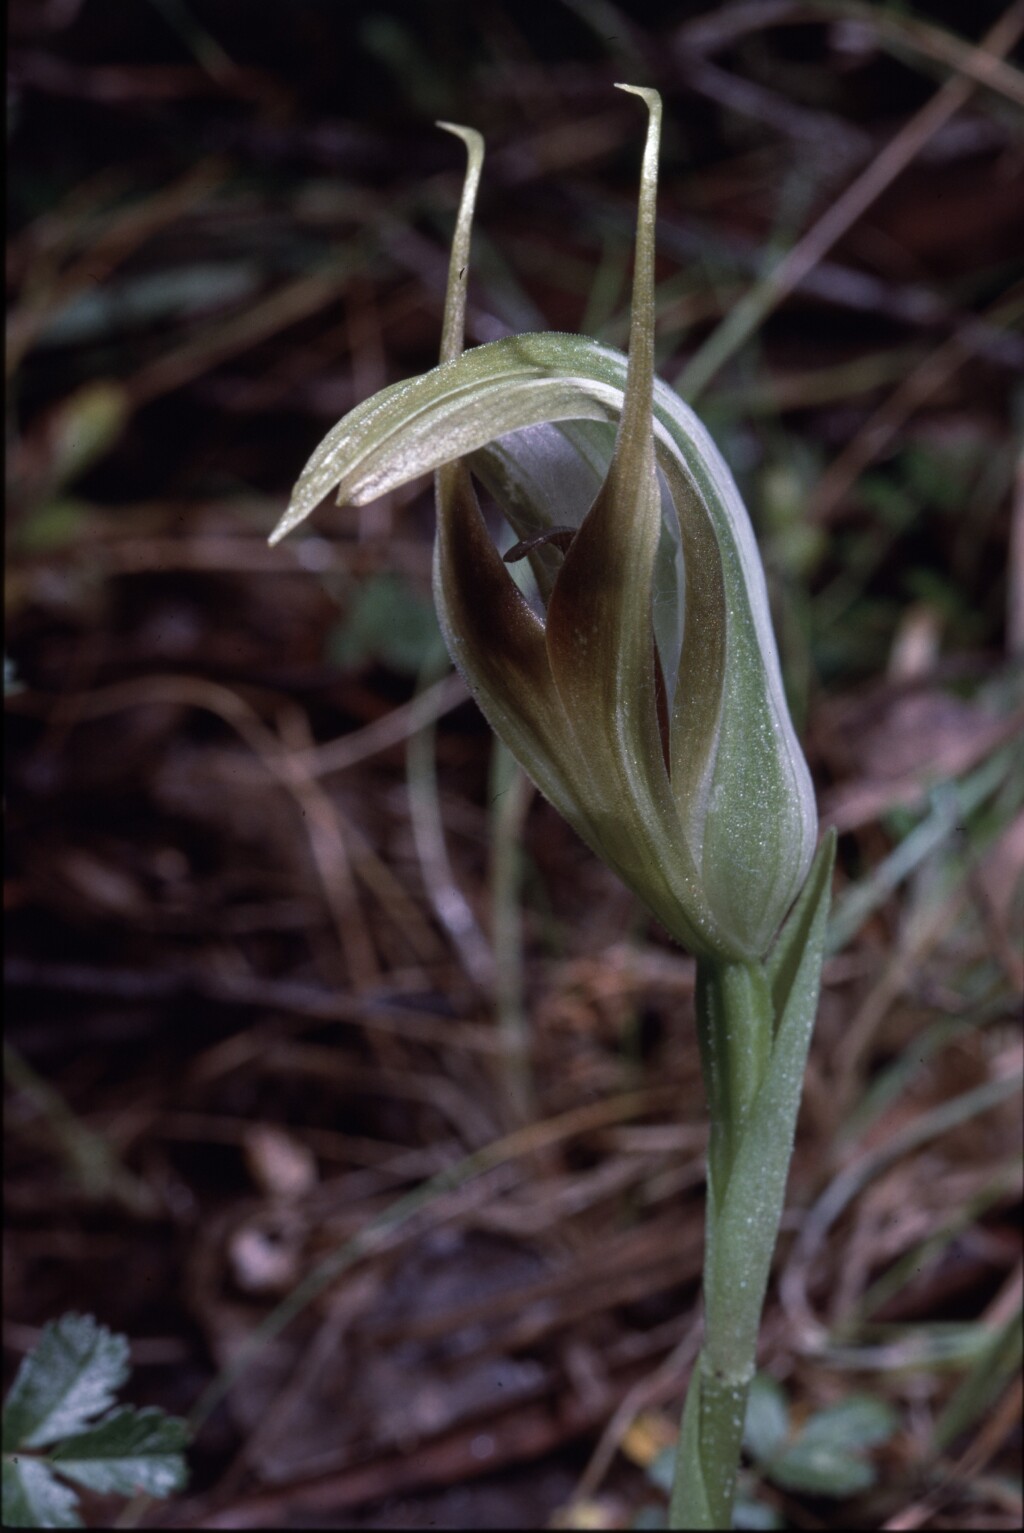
x,y
291,945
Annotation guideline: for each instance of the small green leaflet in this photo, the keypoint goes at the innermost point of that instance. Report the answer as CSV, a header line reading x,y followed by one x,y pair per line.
x,y
73,1374
62,1401
32,1498
828,1455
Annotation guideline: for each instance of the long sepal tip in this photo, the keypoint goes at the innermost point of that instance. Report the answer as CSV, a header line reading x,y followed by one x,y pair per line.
x,y
454,327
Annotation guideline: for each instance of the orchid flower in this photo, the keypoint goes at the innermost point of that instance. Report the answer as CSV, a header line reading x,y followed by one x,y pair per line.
x,y
641,691
646,701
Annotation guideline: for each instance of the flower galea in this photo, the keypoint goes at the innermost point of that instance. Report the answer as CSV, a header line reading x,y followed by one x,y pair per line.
x,y
640,685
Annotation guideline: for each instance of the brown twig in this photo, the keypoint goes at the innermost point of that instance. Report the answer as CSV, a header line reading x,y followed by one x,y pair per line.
x,y
894,158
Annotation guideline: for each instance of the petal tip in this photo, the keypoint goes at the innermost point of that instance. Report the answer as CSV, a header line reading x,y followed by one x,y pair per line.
x,y
288,521
646,93
470,137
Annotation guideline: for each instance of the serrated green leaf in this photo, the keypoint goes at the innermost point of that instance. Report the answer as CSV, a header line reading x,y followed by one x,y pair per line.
x,y
70,1377
131,1451
861,1421
767,1424
821,1470
32,1498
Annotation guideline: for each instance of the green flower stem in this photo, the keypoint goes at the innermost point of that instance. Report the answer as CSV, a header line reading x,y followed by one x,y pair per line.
x,y
734,1027
754,1025
709,1450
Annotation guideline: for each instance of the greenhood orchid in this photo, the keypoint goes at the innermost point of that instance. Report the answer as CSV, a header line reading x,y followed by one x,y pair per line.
x,y
639,686
645,698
